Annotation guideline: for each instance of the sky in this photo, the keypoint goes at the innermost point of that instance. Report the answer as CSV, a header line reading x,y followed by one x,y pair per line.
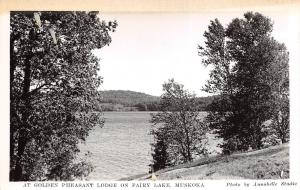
x,y
147,49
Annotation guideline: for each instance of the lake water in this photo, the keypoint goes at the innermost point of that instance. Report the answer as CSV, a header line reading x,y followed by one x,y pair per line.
x,y
122,147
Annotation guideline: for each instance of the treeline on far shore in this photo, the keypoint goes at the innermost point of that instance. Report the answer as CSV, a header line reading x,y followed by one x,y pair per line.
x,y
121,100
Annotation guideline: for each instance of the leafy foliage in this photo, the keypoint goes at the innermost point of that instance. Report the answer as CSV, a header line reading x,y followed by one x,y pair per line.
x,y
53,90
178,129
161,158
250,73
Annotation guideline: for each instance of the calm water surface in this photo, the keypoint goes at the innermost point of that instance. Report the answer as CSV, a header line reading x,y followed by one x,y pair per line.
x,y
122,147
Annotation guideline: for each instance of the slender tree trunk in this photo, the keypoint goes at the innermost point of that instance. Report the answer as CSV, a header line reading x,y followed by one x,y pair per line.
x,y
12,104
23,135
188,143
189,156
12,60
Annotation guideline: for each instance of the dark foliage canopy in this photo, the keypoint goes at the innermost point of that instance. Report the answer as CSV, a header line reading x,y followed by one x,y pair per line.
x,y
250,75
53,89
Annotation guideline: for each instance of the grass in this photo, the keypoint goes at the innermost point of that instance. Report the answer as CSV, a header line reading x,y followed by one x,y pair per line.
x,y
269,163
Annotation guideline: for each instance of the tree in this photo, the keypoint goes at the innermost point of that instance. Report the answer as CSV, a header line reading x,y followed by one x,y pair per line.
x,y
53,90
178,129
250,73
161,158
216,55
141,106
277,79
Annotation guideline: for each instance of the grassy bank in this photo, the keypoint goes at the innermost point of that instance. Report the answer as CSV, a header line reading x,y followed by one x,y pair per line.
x,y
269,163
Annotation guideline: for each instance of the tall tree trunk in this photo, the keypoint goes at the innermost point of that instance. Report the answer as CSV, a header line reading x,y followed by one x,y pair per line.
x,y
12,104
23,134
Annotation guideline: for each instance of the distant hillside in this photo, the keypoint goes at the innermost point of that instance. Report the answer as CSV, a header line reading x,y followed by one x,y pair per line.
x,y
126,100
127,97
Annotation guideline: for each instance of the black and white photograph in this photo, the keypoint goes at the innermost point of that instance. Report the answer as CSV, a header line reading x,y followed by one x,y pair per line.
x,y
151,96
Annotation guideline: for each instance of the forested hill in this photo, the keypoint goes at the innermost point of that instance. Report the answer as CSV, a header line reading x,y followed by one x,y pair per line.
x,y
127,97
126,100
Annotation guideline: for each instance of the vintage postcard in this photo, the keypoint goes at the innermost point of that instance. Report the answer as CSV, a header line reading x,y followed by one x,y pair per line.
x,y
150,94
